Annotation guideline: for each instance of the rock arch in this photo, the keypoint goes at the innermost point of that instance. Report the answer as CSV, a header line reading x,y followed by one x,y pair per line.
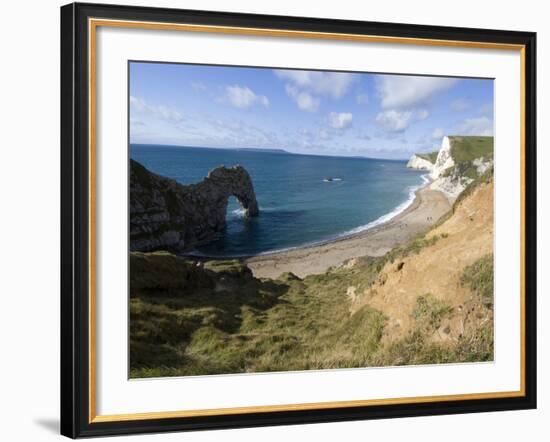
x,y
234,181
166,215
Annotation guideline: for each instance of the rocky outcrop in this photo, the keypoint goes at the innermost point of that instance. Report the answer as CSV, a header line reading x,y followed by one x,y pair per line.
x,y
452,176
417,162
166,215
451,186
482,165
444,159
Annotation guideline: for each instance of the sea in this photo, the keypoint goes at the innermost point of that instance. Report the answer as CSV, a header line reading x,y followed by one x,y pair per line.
x,y
303,199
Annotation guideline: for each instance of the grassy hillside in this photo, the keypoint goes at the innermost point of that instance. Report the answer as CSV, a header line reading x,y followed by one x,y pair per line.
x,y
464,149
190,318
431,156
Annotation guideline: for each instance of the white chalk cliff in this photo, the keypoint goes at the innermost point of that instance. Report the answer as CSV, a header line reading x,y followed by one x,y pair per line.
x,y
417,162
444,176
444,159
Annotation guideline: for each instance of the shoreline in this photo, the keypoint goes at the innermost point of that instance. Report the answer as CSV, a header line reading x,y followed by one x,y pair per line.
x,y
424,211
371,226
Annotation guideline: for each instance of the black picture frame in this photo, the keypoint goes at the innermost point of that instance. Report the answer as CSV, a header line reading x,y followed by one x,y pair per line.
x,y
75,219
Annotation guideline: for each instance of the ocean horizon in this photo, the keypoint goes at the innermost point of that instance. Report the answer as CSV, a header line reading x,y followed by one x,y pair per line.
x,y
304,199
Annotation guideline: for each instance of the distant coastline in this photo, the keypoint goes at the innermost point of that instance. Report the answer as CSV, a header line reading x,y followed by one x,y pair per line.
x,y
256,149
272,151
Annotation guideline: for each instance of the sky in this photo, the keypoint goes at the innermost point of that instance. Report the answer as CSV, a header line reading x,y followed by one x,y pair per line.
x,y
303,111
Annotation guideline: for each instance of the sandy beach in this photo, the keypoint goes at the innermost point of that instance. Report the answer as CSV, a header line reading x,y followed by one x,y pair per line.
x,y
427,207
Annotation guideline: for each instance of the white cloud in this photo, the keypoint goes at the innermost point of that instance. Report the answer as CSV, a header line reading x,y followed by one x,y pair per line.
x,y
232,132
460,104
404,92
397,121
486,108
437,133
137,103
331,84
340,120
304,100
421,114
362,99
168,113
481,126
242,97
161,111
394,121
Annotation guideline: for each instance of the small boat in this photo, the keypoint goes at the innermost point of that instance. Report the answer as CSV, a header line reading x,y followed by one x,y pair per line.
x,y
331,179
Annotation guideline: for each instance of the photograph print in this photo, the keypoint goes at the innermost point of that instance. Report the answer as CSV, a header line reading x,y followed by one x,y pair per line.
x,y
289,220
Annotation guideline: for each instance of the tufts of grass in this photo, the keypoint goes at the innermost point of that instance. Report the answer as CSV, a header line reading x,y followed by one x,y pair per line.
x,y
415,349
429,311
479,277
163,273
477,346
237,323
365,327
189,318
485,178
466,149
413,247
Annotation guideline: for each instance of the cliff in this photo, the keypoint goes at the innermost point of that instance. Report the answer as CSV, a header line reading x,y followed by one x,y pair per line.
x,y
428,301
444,159
459,161
449,272
418,162
166,215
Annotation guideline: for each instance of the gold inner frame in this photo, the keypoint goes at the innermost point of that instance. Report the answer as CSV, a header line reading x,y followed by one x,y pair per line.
x,y
93,24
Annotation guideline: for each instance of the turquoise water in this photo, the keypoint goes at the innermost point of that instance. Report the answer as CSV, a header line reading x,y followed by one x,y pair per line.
x,y
297,205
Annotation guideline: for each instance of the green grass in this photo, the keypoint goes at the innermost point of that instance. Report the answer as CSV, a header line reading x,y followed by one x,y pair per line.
x,y
479,277
237,323
430,310
476,345
215,317
485,178
431,156
414,246
417,349
465,149
197,318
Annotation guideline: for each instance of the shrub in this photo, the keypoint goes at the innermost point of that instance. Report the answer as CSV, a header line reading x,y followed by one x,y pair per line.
x,y
480,278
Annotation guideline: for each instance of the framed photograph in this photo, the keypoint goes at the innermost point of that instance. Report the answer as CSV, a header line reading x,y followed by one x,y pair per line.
x,y
274,220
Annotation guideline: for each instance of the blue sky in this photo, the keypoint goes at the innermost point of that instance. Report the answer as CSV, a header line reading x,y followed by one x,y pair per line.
x,y
310,112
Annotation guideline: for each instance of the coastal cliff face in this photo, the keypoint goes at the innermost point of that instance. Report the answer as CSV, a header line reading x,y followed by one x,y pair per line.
x,y
459,161
417,162
449,279
444,159
166,215
427,301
